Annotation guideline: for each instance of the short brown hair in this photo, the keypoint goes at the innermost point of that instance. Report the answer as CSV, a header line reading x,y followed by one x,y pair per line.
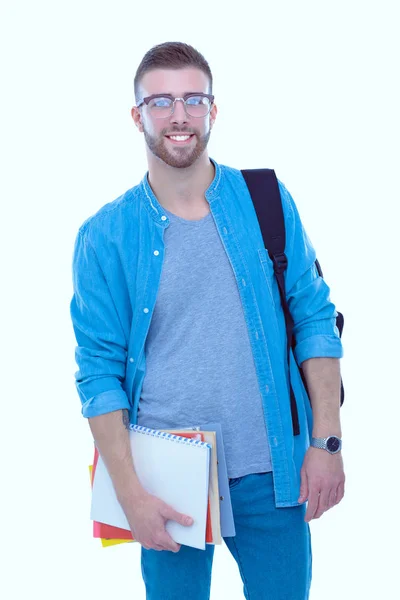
x,y
171,55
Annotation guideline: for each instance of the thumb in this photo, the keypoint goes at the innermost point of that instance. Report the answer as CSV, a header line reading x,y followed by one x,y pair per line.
x,y
171,513
303,487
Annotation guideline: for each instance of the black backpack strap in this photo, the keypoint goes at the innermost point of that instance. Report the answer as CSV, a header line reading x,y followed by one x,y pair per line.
x,y
264,191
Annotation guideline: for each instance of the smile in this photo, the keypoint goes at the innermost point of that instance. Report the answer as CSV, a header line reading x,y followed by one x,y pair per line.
x,y
180,139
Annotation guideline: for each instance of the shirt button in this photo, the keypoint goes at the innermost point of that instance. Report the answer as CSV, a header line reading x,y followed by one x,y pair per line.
x,y
145,310
267,388
156,253
163,218
225,230
131,360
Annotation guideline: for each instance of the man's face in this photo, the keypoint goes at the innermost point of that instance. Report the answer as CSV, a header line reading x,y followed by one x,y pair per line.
x,y
157,131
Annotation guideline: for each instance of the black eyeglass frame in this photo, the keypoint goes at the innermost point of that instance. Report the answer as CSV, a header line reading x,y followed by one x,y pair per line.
x,y
185,97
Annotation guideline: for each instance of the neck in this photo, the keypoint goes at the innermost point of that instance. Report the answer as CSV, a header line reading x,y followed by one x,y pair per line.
x,y
181,190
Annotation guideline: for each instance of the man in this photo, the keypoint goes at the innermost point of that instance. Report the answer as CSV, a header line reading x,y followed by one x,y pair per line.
x,y
178,322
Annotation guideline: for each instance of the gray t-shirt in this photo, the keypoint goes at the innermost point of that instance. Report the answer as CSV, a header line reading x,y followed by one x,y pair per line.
x,y
199,364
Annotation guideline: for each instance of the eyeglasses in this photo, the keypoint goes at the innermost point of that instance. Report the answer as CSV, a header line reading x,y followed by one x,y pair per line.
x,y
161,106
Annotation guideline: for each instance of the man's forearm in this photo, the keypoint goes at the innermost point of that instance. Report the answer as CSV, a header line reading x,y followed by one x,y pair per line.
x,y
323,382
110,432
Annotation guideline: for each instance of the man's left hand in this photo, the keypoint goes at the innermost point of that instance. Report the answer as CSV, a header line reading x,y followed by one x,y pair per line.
x,y
322,481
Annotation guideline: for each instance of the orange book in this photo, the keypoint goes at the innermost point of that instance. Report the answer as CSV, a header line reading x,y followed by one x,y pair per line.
x,y
118,535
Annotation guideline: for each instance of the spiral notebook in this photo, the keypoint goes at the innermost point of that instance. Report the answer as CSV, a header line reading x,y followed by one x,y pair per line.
x,y
171,467
111,535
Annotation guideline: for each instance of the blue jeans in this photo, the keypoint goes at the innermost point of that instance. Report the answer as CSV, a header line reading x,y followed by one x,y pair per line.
x,y
272,548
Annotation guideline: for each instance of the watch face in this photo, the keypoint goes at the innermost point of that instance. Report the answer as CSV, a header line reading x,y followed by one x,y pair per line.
x,y
333,444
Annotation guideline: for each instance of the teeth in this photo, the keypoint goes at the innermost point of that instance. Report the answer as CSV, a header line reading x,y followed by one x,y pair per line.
x,y
179,138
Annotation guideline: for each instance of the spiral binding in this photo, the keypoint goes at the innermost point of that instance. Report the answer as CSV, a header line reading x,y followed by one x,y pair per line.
x,y
170,436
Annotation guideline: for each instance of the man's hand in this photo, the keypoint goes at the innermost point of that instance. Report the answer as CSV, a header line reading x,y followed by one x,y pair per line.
x,y
322,481
147,518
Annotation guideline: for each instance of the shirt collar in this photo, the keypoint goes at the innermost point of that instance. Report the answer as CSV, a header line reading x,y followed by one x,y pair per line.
x,y
155,209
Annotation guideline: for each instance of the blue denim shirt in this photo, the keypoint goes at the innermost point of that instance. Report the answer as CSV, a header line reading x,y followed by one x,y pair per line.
x,y
117,263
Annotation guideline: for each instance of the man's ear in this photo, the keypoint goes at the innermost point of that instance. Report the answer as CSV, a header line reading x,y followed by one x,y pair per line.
x,y
213,115
137,118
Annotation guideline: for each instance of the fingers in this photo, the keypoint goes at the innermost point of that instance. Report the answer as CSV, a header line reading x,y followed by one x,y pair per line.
x,y
161,540
323,503
155,547
165,541
172,546
303,487
320,501
168,549
336,495
313,501
170,513
332,498
340,492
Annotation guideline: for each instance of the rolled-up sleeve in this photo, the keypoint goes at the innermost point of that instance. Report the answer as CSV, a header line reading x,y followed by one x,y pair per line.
x,y
308,294
101,345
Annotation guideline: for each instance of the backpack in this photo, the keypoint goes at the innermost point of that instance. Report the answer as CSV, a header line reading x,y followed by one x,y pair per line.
x,y
264,191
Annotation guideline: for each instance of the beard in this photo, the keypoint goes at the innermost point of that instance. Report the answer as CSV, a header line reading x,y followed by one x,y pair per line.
x,y
178,157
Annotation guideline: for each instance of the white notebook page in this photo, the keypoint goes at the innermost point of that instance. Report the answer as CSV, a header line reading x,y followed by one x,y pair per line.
x,y
170,467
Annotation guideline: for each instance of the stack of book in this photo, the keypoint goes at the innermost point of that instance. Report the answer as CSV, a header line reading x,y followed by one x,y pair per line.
x,y
185,468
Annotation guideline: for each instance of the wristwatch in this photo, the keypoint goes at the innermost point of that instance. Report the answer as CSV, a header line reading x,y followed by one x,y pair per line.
x,y
331,444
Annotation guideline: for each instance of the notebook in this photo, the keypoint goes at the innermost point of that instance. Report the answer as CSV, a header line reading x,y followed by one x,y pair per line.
x,y
111,535
173,468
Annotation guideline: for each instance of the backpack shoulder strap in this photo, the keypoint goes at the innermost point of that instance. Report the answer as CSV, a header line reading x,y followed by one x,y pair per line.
x,y
264,191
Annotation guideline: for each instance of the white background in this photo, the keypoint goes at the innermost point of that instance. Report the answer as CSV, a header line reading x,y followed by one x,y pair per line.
x,y
308,88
